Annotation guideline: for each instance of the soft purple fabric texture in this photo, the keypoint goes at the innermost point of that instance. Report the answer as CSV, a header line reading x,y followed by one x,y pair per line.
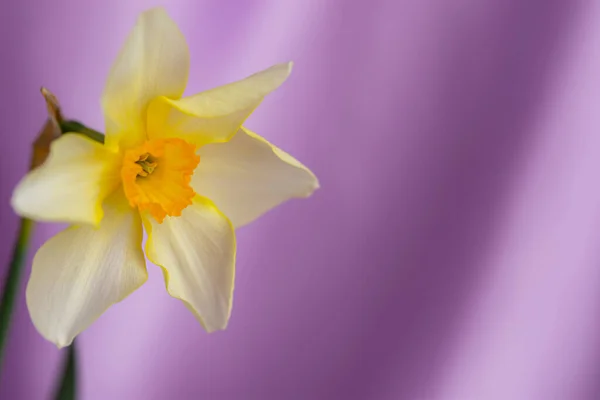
x,y
453,251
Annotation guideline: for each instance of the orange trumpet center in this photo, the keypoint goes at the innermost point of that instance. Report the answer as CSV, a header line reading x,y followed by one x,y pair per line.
x,y
156,176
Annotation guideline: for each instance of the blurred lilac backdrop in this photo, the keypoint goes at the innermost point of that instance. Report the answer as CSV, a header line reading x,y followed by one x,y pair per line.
x,y
453,251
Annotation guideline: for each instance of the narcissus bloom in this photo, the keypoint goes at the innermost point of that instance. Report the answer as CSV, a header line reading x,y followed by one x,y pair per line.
x,y
182,168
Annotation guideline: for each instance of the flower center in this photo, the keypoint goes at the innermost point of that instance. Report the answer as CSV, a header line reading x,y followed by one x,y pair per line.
x,y
156,176
148,163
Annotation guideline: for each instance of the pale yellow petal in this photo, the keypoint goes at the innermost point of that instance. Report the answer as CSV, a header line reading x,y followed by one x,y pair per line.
x,y
83,270
214,115
71,184
153,62
248,176
197,254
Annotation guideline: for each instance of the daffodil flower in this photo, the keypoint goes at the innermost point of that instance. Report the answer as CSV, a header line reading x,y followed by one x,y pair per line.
x,y
182,168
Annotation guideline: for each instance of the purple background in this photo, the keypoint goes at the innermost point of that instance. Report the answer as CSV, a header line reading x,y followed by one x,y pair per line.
x,y
453,251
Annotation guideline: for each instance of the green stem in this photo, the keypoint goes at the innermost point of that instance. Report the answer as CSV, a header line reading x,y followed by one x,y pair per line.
x,y
11,284
78,127
67,390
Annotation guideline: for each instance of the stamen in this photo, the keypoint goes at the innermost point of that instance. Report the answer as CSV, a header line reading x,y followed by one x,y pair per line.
x,y
148,164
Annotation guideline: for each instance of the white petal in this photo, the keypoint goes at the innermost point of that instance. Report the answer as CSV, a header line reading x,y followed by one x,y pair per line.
x,y
197,254
248,176
83,270
214,115
153,62
71,184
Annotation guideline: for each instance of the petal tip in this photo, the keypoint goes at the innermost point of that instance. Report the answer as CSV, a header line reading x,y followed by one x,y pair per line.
x,y
157,10
287,70
310,190
214,329
315,186
61,344
20,202
312,186
15,201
